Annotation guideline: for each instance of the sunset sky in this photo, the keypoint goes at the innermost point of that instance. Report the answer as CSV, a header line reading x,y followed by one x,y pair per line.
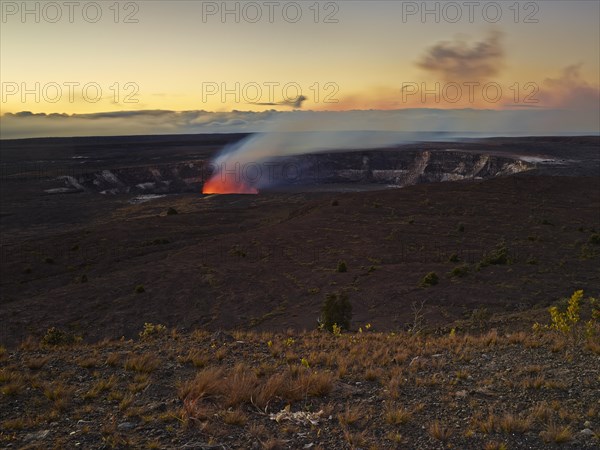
x,y
174,55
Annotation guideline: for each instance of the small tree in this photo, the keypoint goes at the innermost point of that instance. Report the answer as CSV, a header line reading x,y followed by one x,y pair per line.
x,y
337,310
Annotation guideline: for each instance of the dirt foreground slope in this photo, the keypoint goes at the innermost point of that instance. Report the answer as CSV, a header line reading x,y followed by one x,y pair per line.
x,y
304,390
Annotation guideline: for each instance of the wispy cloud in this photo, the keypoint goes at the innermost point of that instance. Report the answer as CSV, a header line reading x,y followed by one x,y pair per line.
x,y
571,91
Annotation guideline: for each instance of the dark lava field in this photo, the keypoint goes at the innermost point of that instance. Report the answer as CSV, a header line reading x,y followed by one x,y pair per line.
x,y
91,242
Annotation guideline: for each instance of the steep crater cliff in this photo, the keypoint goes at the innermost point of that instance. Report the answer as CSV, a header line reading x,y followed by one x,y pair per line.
x,y
391,168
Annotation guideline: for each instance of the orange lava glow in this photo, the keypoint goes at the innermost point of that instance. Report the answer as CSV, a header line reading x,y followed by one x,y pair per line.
x,y
216,185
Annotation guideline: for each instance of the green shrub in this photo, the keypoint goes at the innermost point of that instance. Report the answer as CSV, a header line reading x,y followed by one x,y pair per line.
x,y
152,330
341,267
139,289
453,258
588,251
337,310
237,250
595,239
460,271
431,279
565,318
498,256
56,336
171,211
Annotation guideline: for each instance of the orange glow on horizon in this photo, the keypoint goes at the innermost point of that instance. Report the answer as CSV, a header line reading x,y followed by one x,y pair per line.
x,y
216,185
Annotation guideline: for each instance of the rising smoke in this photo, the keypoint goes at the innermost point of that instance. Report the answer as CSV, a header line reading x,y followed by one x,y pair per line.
x,y
305,132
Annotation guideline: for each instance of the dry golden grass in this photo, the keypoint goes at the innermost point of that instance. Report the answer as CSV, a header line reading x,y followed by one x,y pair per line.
x,y
18,423
195,357
59,394
273,386
532,369
493,445
485,426
395,415
13,382
126,402
29,344
140,382
517,338
235,417
541,412
533,342
555,384
593,346
533,383
100,386
395,437
113,359
9,374
241,385
351,415
258,431
145,363
510,423
309,383
208,382
394,386
373,374
273,444
221,353
342,369
355,439
89,362
115,396
556,433
438,431
37,363
291,357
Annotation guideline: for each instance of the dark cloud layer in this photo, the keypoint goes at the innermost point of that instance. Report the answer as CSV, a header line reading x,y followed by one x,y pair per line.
x,y
26,124
458,61
536,121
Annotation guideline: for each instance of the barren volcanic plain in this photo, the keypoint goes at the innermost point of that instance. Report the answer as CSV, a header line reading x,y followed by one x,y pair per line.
x,y
84,224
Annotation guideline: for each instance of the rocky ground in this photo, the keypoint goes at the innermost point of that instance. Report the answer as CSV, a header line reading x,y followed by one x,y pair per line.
x,y
293,390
